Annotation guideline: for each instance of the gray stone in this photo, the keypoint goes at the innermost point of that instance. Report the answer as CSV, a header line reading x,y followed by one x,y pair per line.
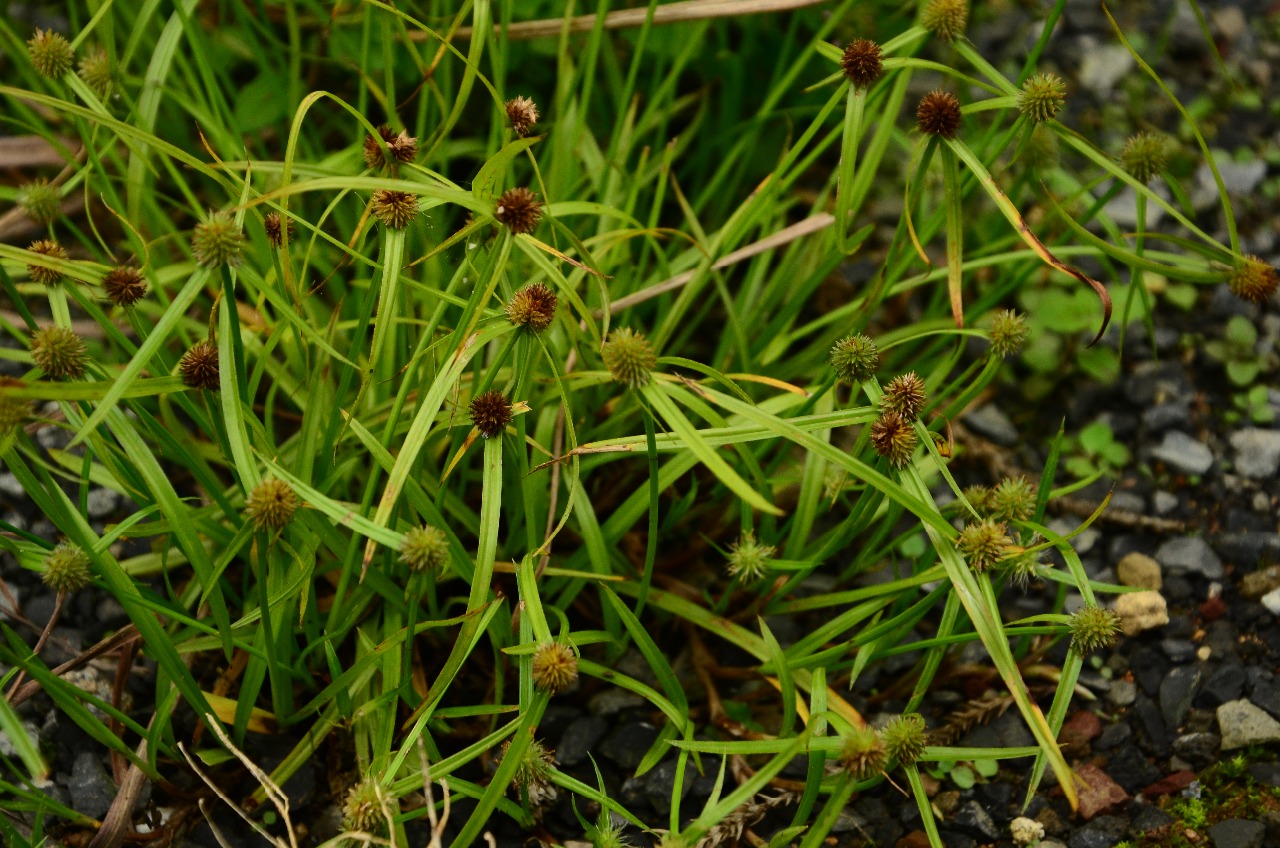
x,y
1243,724
1141,611
1257,452
91,788
580,737
1199,749
102,502
1183,453
1239,177
1224,685
1271,601
660,785
1122,692
1190,554
974,820
1166,416
1164,502
10,487
991,422
628,744
6,607
1177,691
1237,833
1104,66
1249,548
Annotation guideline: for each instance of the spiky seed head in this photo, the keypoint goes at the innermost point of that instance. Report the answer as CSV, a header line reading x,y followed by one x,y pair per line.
x,y
425,548
1042,96
904,395
519,210
41,274
271,504
1253,280
534,306
983,543
365,807
939,114
40,201
395,209
749,558
1023,564
609,834
629,357
1013,499
13,410
124,285
95,69
1093,628
555,667
894,438
276,231
491,413
1042,148
217,241
199,366
1008,333
905,738
977,496
66,569
862,753
862,63
50,53
854,358
535,766
1145,155
59,352
402,147
946,18
522,113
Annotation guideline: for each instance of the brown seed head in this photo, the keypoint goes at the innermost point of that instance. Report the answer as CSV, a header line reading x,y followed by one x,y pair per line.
x,y
519,210
365,808
939,114
904,395
946,18
629,357
1253,280
523,114
124,285
491,413
199,366
275,230
41,274
395,209
862,63
555,667
534,306
13,410
983,543
217,241
59,352
863,753
403,148
894,438
271,504
50,53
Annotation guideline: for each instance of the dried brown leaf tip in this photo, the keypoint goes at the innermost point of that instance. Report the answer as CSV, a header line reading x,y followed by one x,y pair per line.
x,y
519,210
523,114
124,285
894,438
1253,280
199,366
395,209
491,413
402,147
276,231
534,306
939,114
861,62
59,352
53,250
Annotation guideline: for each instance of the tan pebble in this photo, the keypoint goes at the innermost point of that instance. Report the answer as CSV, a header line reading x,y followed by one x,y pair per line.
x,y
1139,570
1141,611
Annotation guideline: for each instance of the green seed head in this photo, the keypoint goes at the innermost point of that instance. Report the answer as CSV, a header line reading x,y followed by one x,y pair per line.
x,y
66,569
13,410
1093,628
555,667
854,358
862,63
905,738
863,754
41,274
904,395
395,209
749,558
1008,333
535,766
365,808
629,357
983,543
1042,96
95,69
1013,499
218,241
1253,280
50,53
894,438
1145,155
946,18
425,548
271,504
40,201
59,352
